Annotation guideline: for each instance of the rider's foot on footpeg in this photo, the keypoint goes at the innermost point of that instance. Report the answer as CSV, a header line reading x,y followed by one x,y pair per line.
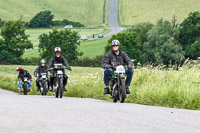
x,y
65,89
106,90
128,91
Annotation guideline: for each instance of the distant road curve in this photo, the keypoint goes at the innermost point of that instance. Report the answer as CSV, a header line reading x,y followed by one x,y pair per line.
x,y
113,19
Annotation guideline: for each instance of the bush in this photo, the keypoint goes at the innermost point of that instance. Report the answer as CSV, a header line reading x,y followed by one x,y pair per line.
x,y
42,19
65,22
88,62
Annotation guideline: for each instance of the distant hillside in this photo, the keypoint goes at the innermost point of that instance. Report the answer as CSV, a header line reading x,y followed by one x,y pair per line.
x,y
87,12
135,11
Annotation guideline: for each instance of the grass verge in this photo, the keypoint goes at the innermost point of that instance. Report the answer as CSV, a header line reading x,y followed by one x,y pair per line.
x,y
150,86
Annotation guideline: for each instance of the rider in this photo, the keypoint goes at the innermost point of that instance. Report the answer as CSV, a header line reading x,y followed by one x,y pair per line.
x,y
23,73
116,56
40,69
58,59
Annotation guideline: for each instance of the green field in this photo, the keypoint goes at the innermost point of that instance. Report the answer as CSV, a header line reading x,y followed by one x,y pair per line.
x,y
87,12
150,86
35,33
136,11
94,47
89,48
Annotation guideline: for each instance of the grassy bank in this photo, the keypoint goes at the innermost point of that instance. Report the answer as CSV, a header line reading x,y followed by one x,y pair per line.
x,y
87,12
177,89
136,11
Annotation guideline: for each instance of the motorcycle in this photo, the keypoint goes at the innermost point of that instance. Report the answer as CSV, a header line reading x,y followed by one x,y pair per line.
x,y
58,79
117,84
43,83
25,85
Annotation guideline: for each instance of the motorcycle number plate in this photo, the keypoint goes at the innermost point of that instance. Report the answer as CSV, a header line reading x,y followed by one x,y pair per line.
x,y
59,72
120,69
25,79
44,75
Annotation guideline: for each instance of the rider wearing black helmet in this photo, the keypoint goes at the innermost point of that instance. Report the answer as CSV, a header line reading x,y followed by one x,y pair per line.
x,y
42,68
118,57
58,58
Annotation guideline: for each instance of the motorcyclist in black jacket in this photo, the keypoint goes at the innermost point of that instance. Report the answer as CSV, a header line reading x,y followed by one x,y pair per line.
x,y
117,57
42,68
58,59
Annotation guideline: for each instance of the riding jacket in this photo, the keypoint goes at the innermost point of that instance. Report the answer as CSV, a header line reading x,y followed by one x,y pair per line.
x,y
55,60
40,69
111,59
23,74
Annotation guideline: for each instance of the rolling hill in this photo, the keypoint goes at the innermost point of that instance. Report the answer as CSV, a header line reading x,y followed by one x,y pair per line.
x,y
135,11
87,12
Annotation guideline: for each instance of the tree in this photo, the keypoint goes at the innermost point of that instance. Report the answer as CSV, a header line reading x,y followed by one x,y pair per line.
x,y
42,19
14,42
190,33
1,22
66,39
162,46
142,29
130,43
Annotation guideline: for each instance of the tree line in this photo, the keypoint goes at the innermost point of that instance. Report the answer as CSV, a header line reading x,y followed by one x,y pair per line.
x,y
163,43
44,19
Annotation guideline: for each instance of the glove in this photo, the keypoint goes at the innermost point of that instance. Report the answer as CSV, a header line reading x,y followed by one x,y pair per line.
x,y
31,79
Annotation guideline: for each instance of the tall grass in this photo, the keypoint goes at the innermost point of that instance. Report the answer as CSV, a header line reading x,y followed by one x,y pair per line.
x,y
136,11
150,86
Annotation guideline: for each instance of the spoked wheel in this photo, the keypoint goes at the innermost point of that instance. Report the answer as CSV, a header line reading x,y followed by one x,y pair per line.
x,y
114,100
60,87
122,92
25,89
44,88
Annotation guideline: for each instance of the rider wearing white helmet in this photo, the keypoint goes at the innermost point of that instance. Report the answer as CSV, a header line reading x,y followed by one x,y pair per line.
x,y
118,57
42,68
58,59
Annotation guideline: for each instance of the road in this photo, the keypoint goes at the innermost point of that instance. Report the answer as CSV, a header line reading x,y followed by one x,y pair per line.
x,y
113,19
46,114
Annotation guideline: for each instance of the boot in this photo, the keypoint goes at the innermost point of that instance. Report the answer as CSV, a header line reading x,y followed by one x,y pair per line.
x,y
127,90
106,91
65,89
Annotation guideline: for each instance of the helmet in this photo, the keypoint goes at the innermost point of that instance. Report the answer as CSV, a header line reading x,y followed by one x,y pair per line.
x,y
57,50
115,42
19,69
42,61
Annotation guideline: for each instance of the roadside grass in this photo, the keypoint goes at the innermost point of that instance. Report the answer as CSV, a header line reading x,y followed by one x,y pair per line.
x,y
136,11
150,86
87,12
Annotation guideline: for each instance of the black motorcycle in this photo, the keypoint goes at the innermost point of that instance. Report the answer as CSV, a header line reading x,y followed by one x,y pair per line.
x,y
43,83
117,84
25,85
58,79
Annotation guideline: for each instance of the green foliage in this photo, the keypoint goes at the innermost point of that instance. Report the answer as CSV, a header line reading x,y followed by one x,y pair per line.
x,y
190,34
42,19
130,43
88,62
1,22
142,29
65,22
14,42
161,46
66,39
